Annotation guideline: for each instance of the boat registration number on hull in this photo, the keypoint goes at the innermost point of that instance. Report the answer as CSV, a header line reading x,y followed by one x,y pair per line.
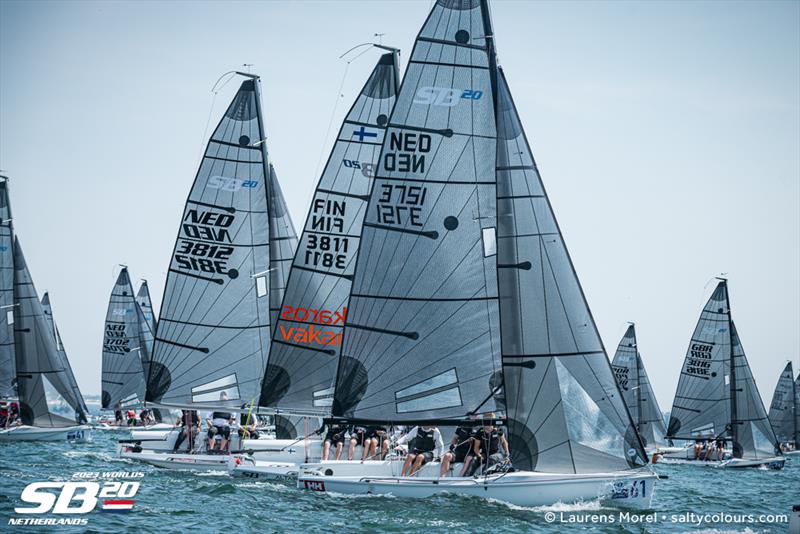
x,y
629,489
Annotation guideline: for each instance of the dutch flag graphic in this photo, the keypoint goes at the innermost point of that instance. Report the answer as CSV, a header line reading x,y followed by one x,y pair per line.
x,y
118,506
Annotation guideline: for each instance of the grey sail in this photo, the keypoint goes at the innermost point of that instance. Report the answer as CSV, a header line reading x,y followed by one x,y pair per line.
x,y
564,408
214,327
40,371
47,309
421,339
282,245
716,394
123,379
783,409
637,391
306,338
8,371
143,299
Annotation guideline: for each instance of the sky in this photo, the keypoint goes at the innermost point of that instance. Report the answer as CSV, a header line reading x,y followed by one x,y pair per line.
x,y
667,135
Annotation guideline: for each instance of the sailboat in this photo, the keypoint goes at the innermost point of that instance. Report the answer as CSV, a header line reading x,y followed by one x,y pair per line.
x,y
123,381
226,280
464,300
306,337
784,412
146,305
717,400
44,381
637,392
34,369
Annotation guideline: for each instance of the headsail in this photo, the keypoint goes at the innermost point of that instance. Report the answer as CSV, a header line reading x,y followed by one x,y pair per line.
x,y
8,371
123,378
83,411
636,390
40,371
213,329
307,337
783,410
716,395
565,411
143,299
282,245
421,336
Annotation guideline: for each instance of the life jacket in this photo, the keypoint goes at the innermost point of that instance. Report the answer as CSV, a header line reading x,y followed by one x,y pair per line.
x,y
221,415
424,440
490,441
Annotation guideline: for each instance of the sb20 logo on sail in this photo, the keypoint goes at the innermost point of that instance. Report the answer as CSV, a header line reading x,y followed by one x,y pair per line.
x,y
230,184
444,96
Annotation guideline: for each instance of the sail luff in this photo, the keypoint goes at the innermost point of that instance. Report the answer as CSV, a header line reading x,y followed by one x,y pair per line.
x,y
306,337
8,373
734,421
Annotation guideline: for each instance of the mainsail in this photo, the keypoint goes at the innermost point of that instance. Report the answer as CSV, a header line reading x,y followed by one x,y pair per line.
x,y
464,299
306,338
636,390
214,327
783,411
143,299
717,395
47,309
40,370
123,378
8,371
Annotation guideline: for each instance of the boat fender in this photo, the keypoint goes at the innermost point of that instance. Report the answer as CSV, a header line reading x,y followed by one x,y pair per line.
x,y
328,472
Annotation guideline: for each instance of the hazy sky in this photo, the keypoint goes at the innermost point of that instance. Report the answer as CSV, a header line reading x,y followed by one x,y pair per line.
x,y
667,134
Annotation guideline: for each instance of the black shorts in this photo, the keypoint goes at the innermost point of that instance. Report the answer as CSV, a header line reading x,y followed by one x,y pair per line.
x,y
223,431
358,436
334,438
377,434
428,455
460,453
118,416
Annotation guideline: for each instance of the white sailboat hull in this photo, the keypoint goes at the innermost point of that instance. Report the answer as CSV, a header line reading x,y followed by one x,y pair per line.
x,y
248,467
181,461
521,488
686,454
74,434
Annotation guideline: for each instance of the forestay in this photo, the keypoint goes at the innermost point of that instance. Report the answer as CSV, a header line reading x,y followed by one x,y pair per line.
x,y
783,410
716,395
214,325
636,390
40,371
306,338
421,336
63,361
123,380
8,371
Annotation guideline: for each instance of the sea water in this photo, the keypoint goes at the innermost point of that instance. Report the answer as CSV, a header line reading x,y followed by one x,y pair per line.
x,y
694,498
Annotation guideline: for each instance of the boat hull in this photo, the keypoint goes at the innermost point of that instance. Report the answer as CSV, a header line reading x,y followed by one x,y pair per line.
x,y
521,488
272,471
73,434
181,461
686,455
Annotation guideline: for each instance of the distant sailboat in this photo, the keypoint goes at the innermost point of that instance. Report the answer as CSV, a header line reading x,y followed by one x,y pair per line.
x,y
784,412
637,392
44,379
123,381
143,299
464,299
717,399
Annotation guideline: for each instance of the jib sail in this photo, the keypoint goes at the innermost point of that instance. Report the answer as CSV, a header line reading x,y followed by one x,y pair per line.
x,y
41,375
306,338
143,299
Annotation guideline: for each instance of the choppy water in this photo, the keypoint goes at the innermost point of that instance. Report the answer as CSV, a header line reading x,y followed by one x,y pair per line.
x,y
179,502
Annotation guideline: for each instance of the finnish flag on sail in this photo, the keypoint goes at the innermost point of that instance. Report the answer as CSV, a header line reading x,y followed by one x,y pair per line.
x,y
361,133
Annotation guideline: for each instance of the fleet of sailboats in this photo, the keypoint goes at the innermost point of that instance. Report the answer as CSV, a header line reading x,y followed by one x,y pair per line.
x,y
431,286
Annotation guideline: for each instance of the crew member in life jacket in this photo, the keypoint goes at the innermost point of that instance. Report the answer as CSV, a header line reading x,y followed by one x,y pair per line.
x,y
118,413
489,447
334,437
427,439
220,424
189,423
460,450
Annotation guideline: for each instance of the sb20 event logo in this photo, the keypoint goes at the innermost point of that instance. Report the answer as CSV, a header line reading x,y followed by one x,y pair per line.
x,y
113,491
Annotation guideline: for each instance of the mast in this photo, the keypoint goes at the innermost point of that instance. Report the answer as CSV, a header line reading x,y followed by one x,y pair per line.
x,y
638,383
734,416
